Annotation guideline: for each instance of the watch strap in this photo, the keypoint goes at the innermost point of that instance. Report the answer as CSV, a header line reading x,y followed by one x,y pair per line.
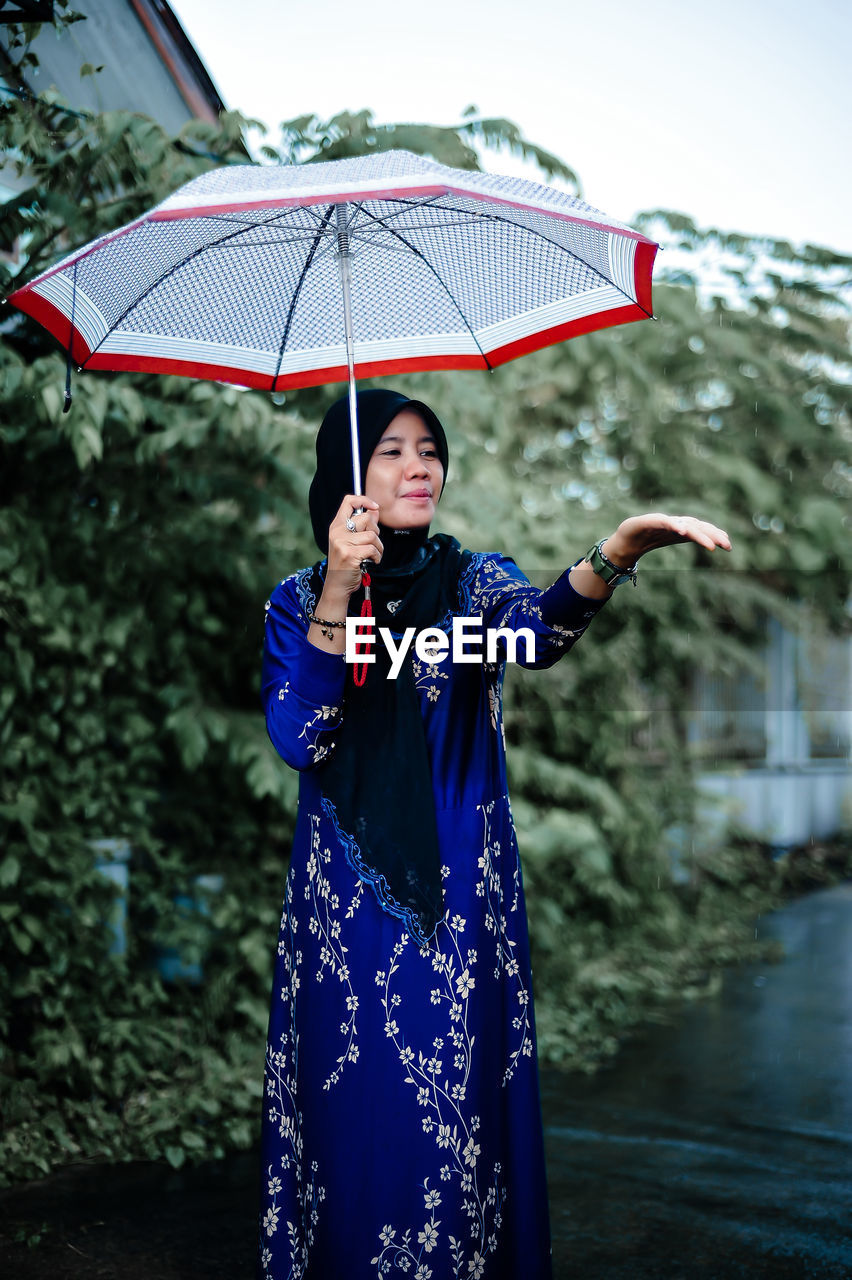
x,y
612,574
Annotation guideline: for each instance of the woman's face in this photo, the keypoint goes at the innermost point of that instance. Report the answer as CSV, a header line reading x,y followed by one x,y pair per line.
x,y
405,475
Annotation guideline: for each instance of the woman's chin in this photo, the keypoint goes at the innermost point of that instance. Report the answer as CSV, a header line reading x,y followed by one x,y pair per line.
x,y
416,516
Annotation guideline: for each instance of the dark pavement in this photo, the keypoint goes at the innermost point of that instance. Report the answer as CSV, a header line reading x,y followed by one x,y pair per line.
x,y
719,1146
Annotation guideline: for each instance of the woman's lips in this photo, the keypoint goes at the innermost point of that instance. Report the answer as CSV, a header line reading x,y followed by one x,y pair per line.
x,y
418,495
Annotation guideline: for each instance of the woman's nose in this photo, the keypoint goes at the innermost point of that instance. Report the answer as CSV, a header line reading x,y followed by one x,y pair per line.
x,y
416,466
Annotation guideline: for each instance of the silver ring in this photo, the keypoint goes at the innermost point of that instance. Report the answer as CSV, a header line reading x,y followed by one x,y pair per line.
x,y
350,525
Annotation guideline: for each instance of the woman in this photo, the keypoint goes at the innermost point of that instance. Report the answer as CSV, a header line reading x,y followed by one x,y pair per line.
x,y
402,1129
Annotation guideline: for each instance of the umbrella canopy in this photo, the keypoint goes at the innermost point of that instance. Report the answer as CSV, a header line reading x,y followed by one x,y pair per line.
x,y
289,276
235,277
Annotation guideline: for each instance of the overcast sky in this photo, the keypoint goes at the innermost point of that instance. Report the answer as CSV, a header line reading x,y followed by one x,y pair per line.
x,y
737,113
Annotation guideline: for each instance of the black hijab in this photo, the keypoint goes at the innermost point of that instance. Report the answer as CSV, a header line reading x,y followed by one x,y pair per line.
x,y
378,780
333,478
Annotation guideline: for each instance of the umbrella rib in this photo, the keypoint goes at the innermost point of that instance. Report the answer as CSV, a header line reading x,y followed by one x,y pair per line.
x,y
532,231
306,238
329,214
463,219
246,221
262,223
426,226
296,236
571,253
413,249
155,285
406,205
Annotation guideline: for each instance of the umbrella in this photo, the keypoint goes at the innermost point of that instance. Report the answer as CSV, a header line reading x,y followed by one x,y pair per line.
x,y
287,276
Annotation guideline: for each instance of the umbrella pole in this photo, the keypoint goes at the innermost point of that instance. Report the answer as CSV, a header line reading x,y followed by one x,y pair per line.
x,y
344,260
359,675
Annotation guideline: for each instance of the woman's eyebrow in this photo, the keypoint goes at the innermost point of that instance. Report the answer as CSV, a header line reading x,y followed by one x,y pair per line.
x,y
399,439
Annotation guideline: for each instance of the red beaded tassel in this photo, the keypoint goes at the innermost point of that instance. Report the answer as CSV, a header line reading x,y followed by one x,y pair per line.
x,y
359,675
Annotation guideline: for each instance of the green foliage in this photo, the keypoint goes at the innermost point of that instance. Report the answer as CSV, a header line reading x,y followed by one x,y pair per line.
x,y
140,535
20,35
131,599
309,139
90,174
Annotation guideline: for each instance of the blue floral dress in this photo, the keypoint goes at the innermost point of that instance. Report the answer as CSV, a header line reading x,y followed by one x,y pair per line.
x,y
402,1125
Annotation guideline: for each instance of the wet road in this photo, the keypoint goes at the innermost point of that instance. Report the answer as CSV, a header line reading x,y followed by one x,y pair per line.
x,y
719,1147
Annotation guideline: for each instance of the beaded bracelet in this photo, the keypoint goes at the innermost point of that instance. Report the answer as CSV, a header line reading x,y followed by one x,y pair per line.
x,y
325,625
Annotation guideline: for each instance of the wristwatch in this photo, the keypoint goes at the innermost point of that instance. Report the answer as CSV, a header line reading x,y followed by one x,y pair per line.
x,y
612,574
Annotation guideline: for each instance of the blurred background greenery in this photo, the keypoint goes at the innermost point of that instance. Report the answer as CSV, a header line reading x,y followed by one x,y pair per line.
x,y
146,819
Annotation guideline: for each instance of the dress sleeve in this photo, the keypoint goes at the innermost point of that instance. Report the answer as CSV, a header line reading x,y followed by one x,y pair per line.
x,y
301,686
505,599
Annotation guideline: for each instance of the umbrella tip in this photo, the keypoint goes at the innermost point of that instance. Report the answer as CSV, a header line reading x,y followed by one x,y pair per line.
x,y
67,405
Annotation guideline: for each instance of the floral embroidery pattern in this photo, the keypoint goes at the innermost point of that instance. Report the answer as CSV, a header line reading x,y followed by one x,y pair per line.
x,y
487,587
441,1075
493,675
490,585
304,591
399,1254
325,924
282,1064
426,676
491,888
319,750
